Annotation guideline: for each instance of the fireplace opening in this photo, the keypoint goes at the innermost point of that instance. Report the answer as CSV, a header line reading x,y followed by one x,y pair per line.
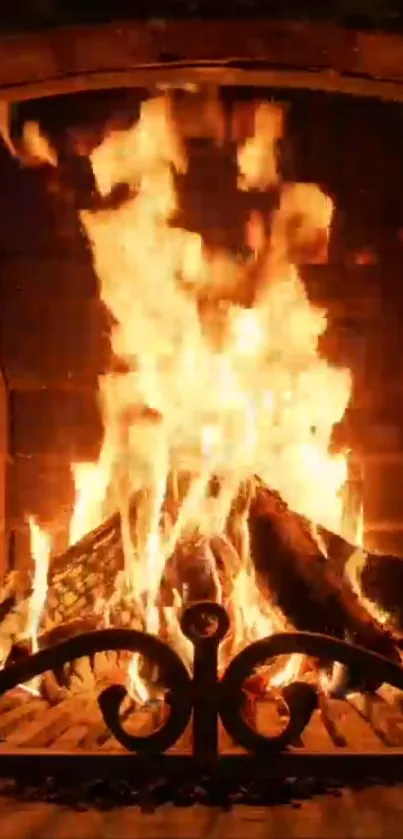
x,y
200,315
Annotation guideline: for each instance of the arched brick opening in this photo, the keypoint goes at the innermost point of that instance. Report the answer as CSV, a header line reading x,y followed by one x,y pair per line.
x,y
259,55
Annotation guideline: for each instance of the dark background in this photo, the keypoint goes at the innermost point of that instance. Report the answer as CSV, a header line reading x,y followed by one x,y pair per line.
x,y
360,14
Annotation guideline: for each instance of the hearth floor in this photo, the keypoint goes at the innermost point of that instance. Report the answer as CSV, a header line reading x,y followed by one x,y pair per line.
x,y
374,813
359,724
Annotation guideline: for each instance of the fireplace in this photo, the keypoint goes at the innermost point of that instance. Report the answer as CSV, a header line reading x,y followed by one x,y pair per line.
x,y
236,189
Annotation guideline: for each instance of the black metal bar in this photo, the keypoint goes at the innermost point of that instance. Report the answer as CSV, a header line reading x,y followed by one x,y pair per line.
x,y
176,678
205,624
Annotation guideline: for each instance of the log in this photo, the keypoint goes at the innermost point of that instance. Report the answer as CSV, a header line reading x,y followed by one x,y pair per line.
x,y
85,574
296,576
78,580
292,571
379,578
192,572
289,565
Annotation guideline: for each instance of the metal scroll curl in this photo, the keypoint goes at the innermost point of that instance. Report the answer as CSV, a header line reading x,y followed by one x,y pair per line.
x,y
299,697
205,695
176,677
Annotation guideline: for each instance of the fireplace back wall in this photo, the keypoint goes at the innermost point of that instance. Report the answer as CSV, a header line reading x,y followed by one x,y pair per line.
x,y
54,339
53,347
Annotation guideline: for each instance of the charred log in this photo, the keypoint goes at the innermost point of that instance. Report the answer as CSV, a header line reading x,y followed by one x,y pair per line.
x,y
289,565
85,574
302,581
191,571
296,576
78,579
83,582
379,577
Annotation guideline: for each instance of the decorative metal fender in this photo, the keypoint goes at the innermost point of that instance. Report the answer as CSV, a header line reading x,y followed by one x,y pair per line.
x,y
204,695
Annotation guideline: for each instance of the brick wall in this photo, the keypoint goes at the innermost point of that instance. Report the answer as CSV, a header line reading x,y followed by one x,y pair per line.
x,y
53,345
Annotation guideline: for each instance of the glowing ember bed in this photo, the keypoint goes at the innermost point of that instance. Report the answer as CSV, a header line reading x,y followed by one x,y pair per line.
x,y
200,345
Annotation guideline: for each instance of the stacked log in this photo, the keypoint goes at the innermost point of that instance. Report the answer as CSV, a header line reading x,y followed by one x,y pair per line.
x,y
303,582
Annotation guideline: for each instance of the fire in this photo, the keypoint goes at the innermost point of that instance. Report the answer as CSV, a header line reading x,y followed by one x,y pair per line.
x,y
35,149
91,481
41,547
223,379
213,390
353,571
257,161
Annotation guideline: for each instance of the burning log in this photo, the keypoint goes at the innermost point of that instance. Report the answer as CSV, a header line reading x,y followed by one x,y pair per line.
x,y
82,584
85,573
77,579
296,575
377,577
293,573
192,571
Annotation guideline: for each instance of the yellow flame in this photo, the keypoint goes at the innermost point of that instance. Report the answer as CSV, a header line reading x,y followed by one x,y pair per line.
x,y
91,483
213,389
257,161
41,547
36,146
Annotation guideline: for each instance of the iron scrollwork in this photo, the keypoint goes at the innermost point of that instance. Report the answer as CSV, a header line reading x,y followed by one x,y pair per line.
x,y
204,696
176,678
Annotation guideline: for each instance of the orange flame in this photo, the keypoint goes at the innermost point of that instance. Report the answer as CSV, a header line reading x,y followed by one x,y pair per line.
x,y
257,161
214,390
41,547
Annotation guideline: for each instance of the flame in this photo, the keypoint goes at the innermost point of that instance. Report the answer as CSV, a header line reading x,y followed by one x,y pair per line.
x,y
136,685
359,540
91,482
290,672
353,570
216,389
41,547
257,161
34,148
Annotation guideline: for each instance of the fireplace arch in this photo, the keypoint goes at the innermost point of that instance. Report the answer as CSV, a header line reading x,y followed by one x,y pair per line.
x,y
261,52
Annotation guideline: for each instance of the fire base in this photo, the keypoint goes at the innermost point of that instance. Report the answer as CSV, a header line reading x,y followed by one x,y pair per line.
x,y
204,703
